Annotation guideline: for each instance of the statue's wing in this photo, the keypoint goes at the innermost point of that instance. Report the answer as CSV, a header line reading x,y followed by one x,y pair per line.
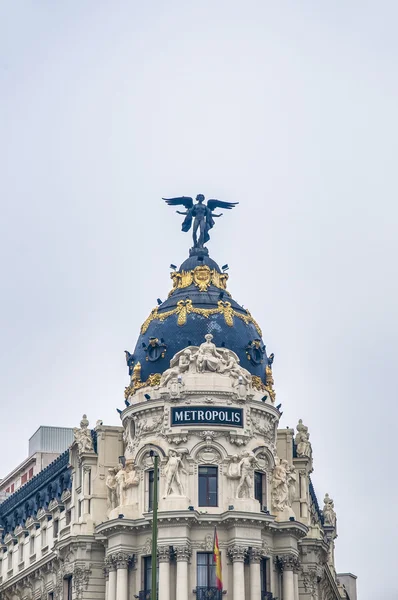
x,y
183,200
213,204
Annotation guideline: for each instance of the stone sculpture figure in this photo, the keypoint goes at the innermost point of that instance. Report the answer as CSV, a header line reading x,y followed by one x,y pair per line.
x,y
172,471
302,440
200,214
232,367
178,365
233,471
120,485
280,490
329,515
83,436
208,358
246,467
131,479
111,488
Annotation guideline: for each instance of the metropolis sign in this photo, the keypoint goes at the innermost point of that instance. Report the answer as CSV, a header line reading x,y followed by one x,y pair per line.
x,y
203,415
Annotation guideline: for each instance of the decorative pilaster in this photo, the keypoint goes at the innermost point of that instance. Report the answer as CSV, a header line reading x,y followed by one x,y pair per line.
x,y
237,555
183,556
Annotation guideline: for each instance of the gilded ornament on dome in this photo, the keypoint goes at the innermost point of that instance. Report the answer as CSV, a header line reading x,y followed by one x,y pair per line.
x,y
202,276
269,382
185,307
258,384
152,381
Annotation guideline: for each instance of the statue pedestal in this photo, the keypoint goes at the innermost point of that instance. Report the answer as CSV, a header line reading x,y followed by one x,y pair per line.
x,y
284,515
245,504
198,252
129,511
174,503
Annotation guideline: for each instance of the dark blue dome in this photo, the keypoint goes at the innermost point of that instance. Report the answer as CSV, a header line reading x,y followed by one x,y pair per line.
x,y
199,304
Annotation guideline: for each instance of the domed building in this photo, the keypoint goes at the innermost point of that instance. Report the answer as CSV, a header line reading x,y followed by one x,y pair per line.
x,y
198,467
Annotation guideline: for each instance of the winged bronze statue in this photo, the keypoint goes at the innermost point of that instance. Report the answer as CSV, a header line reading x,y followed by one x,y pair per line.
x,y
200,214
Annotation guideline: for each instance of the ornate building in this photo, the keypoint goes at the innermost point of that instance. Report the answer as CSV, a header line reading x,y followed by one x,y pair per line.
x,y
201,397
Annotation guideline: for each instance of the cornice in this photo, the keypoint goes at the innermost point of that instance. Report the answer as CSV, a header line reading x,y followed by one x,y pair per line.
x,y
197,519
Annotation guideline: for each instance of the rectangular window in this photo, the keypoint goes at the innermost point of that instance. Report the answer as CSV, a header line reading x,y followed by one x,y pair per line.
x,y
20,551
9,559
205,571
151,481
80,508
12,488
32,544
44,537
148,574
24,478
30,474
55,528
67,517
208,485
259,488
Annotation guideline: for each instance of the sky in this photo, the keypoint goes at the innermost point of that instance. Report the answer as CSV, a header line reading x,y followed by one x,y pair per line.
x,y
288,108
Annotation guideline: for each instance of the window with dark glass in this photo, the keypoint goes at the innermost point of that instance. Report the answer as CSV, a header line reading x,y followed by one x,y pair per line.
x,y
68,588
151,481
259,488
148,574
208,484
205,571
264,577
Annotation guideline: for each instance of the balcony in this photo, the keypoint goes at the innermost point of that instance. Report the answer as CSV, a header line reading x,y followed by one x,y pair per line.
x,y
208,593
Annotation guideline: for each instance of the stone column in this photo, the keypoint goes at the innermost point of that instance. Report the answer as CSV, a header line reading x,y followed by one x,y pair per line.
x,y
237,557
255,557
164,572
287,564
112,579
296,590
183,555
122,564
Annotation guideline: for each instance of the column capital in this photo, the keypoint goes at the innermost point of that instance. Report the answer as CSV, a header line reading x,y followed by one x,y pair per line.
x,y
163,554
119,560
287,562
237,553
255,555
183,553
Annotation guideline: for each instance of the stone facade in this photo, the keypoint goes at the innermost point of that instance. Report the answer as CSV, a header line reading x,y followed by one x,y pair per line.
x,y
93,540
81,529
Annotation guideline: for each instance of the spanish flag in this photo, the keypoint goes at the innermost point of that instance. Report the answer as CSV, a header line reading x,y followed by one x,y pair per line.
x,y
217,561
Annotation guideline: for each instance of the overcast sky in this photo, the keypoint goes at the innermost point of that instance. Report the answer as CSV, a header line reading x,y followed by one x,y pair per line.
x,y
290,109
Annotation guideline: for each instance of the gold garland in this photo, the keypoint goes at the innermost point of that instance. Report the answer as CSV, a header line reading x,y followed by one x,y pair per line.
x,y
185,307
202,276
153,379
